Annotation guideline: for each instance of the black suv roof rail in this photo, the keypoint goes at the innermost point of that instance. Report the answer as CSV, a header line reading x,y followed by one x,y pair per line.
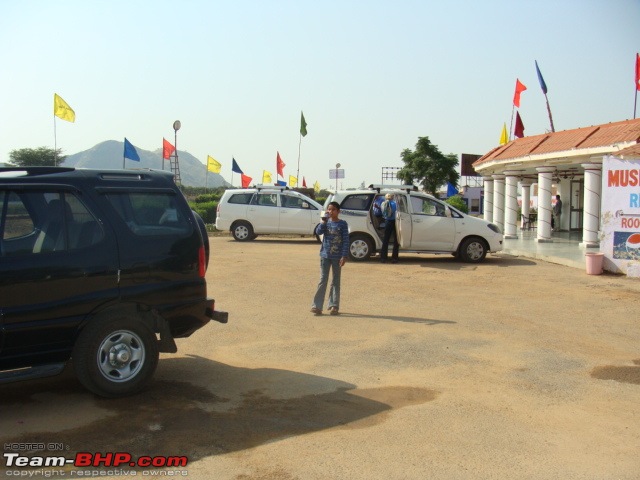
x,y
378,187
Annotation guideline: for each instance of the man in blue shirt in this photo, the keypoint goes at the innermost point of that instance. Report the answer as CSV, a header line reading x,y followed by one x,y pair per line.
x,y
333,255
377,211
389,209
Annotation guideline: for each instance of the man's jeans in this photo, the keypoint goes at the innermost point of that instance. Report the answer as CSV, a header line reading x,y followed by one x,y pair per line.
x,y
327,264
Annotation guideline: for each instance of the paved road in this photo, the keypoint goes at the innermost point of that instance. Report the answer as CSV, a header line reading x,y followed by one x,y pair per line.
x,y
436,369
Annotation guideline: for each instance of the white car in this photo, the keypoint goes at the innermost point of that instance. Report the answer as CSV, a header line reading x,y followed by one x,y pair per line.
x,y
264,210
424,224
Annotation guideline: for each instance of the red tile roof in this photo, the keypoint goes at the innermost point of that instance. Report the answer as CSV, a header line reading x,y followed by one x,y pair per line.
x,y
605,135
629,152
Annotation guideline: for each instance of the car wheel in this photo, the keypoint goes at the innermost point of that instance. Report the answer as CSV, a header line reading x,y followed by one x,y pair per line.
x,y
242,231
360,248
115,356
318,237
473,250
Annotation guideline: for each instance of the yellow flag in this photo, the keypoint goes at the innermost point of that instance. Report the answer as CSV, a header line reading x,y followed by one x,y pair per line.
x,y
213,165
61,109
316,187
293,181
504,139
266,177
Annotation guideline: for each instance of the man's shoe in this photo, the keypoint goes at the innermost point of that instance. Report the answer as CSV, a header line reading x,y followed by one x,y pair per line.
x,y
316,310
334,311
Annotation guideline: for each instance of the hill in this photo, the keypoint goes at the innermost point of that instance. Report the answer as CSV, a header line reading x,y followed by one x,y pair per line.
x,y
109,155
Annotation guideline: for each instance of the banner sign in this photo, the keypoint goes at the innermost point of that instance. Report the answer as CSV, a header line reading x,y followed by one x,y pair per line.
x,y
336,173
620,224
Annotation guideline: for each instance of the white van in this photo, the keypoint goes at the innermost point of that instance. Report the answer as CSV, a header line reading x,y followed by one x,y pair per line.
x,y
265,210
424,224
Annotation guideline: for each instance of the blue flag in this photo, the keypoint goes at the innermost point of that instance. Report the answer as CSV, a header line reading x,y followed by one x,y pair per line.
x,y
543,85
235,167
281,183
130,151
451,190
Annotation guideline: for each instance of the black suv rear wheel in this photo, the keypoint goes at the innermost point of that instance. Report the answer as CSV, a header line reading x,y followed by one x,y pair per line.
x,y
115,356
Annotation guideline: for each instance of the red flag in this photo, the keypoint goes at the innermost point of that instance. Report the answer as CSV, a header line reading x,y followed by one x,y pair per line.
x,y
246,180
304,183
638,71
519,89
519,130
167,149
280,165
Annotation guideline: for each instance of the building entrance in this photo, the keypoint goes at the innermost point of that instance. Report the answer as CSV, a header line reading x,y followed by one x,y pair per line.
x,y
576,205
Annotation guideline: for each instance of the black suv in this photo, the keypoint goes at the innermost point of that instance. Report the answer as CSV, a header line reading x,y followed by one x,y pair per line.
x,y
104,267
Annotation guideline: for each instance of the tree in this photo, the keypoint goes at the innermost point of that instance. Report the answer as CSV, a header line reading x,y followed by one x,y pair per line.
x,y
36,157
428,166
457,202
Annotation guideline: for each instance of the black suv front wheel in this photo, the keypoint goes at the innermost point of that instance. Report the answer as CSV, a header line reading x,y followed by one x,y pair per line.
x,y
115,356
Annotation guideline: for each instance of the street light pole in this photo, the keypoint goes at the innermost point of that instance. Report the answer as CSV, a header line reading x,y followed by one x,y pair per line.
x,y
337,167
176,167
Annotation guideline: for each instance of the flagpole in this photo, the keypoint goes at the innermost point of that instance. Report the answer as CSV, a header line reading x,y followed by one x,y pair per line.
x,y
549,111
511,125
298,171
55,141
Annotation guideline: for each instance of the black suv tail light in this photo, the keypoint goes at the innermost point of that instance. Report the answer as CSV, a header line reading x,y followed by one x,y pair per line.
x,y
202,267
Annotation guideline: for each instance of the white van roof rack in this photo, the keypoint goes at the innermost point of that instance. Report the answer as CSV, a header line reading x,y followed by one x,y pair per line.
x,y
271,187
378,187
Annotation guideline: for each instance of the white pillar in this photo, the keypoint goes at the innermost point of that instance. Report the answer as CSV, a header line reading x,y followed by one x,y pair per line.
x,y
592,193
544,204
498,200
511,204
526,199
488,199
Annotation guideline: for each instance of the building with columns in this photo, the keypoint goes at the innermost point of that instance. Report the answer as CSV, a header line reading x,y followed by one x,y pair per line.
x,y
567,162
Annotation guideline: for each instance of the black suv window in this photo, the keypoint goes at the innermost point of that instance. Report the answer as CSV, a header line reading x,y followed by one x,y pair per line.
x,y
357,202
36,221
149,213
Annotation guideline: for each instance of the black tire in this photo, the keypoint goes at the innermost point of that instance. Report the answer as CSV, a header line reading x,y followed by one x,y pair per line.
x,y
473,250
242,231
115,356
318,237
360,247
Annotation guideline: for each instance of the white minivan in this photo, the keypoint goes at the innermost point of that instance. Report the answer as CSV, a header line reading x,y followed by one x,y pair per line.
x,y
424,224
265,210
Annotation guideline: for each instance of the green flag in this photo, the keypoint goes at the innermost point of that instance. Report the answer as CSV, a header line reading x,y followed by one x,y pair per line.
x,y
303,125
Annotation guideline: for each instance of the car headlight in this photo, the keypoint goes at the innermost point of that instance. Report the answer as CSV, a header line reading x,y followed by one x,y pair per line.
x,y
494,228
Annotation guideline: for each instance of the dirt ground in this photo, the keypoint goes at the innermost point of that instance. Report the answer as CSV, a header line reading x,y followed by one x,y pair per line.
x,y
510,369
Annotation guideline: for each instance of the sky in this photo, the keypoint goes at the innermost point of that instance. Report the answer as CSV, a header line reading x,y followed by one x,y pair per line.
x,y
371,76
